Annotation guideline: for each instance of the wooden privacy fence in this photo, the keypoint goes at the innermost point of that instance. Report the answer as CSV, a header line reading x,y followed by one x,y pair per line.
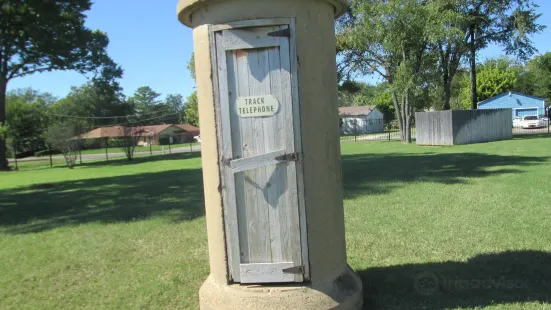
x,y
463,126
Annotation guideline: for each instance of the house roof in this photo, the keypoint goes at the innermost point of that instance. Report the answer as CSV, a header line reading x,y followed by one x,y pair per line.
x,y
155,129
507,94
103,132
187,127
356,111
118,131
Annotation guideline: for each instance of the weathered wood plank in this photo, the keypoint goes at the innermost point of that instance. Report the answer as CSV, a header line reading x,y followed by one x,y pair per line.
x,y
242,145
298,148
266,273
463,126
259,243
253,38
252,23
291,215
276,192
257,161
228,192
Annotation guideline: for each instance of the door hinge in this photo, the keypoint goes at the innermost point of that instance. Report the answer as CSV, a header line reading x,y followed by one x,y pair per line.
x,y
226,160
286,33
288,157
295,270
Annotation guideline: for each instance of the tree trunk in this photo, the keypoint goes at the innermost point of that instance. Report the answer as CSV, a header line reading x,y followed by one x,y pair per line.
x,y
3,157
474,97
398,115
447,94
407,116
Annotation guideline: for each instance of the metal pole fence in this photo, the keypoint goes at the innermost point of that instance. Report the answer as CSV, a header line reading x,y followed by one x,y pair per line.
x,y
389,126
15,157
106,147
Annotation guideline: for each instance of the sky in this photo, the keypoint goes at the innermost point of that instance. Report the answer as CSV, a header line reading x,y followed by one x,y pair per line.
x,y
153,48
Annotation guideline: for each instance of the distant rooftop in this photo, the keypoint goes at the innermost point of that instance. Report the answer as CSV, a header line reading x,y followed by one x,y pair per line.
x,y
356,111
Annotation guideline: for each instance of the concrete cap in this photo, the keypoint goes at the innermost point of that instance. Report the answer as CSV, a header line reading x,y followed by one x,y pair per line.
x,y
187,7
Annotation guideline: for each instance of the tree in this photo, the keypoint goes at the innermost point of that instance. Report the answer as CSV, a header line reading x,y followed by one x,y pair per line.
x,y
175,104
38,36
65,137
192,110
535,80
27,118
389,38
191,66
494,76
383,102
508,23
128,140
144,99
447,27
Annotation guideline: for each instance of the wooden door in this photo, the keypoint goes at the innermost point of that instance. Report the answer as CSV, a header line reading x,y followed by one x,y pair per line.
x,y
260,160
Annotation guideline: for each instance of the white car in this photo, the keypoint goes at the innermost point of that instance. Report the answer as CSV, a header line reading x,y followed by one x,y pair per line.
x,y
532,122
197,138
517,122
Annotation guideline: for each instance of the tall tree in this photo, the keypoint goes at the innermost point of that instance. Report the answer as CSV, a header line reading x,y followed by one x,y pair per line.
x,y
389,38
38,36
495,76
175,104
508,23
535,80
100,102
144,99
446,35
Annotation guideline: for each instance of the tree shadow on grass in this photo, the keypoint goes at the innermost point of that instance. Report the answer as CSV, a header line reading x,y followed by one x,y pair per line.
x,y
484,280
372,174
176,195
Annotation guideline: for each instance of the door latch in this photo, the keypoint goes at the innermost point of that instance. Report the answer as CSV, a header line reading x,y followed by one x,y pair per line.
x,y
295,270
288,157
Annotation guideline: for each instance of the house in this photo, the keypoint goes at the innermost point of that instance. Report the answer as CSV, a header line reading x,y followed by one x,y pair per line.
x,y
152,134
361,120
522,105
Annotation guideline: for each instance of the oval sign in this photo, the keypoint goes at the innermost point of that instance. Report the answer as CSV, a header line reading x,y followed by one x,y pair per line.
x,y
257,106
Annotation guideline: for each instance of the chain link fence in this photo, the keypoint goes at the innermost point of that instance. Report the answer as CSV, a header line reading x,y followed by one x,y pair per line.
x,y
530,126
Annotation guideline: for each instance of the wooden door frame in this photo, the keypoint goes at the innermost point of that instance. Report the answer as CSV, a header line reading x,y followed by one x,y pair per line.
x,y
229,218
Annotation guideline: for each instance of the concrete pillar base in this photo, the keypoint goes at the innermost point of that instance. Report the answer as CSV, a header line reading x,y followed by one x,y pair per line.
x,y
343,293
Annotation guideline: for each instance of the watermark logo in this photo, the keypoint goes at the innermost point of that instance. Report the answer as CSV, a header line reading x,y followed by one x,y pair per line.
x,y
427,283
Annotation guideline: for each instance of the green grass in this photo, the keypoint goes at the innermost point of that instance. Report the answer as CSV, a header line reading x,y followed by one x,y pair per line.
x,y
130,236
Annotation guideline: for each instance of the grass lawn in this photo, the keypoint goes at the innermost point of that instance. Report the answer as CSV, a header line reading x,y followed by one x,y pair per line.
x,y
475,220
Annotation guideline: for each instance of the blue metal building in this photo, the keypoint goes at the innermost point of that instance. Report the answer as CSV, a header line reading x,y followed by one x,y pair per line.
x,y
522,105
